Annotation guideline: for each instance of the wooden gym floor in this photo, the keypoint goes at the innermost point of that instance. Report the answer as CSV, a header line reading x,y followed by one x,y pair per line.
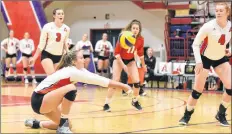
x,y
161,112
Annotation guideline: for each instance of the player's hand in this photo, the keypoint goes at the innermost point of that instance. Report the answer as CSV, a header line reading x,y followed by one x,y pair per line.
x,y
125,69
198,68
31,61
228,53
145,69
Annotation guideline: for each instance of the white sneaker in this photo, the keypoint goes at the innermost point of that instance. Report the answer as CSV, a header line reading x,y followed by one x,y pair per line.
x,y
64,129
34,81
26,81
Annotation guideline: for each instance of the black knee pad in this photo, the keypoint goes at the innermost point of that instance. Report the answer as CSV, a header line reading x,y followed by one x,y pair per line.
x,y
32,68
99,71
196,95
71,96
14,68
7,68
25,69
105,71
228,91
131,85
136,85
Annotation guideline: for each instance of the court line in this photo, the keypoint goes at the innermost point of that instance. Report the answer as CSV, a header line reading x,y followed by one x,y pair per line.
x,y
137,112
88,111
169,127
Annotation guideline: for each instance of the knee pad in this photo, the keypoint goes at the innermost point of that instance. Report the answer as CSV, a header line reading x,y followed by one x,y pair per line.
x,y
228,91
196,95
136,85
25,69
131,85
71,96
14,68
7,68
105,71
32,68
99,71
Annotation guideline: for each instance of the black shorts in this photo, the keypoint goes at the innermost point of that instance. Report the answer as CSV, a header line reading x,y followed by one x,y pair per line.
x,y
102,58
86,56
36,102
26,55
126,62
54,58
10,55
214,63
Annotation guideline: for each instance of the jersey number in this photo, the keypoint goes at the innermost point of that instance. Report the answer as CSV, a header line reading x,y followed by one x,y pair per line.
x,y
222,39
58,37
131,50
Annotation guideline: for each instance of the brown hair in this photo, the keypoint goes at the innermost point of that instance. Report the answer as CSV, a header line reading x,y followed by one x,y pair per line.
x,y
54,11
67,59
226,5
128,27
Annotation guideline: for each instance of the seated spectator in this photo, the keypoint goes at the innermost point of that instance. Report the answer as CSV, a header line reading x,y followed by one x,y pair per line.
x,y
150,61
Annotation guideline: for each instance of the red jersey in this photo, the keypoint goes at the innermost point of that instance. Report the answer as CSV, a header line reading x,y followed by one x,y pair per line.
x,y
128,54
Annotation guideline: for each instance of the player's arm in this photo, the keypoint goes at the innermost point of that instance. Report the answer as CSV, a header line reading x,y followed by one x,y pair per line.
x,y
66,46
42,42
117,54
91,46
83,75
98,47
228,50
32,46
201,35
3,44
140,52
111,48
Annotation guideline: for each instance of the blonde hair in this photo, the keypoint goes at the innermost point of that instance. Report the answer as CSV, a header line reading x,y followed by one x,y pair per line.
x,y
67,59
226,5
128,27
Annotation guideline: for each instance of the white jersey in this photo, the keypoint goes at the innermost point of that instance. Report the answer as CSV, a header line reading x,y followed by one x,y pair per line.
x,y
104,48
214,40
69,75
53,39
26,46
11,45
85,46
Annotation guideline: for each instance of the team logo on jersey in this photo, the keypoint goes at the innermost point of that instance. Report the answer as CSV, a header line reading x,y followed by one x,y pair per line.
x,y
65,29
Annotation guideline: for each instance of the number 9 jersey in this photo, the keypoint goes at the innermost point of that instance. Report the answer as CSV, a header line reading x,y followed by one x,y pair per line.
x,y
53,39
128,54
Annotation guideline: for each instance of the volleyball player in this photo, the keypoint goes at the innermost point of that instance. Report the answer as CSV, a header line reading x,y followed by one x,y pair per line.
x,y
59,89
125,59
215,34
53,42
87,48
26,46
104,48
10,45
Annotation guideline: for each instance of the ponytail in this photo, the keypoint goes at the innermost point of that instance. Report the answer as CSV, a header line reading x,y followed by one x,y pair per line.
x,y
67,60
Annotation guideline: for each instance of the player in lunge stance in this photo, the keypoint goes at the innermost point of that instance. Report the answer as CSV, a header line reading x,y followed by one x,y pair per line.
x,y
53,42
125,59
10,45
54,96
26,46
215,34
